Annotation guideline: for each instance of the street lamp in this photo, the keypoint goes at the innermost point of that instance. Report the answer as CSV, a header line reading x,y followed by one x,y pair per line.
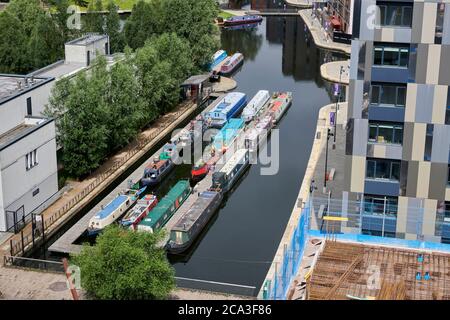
x,y
329,134
338,99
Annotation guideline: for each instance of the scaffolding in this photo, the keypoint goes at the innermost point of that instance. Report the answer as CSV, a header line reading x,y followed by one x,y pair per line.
x,y
350,271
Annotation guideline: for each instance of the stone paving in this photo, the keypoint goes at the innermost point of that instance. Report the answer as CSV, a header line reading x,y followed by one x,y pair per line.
x,y
320,36
19,284
331,71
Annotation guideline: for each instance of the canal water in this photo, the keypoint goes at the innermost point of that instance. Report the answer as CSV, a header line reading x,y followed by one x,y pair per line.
x,y
242,238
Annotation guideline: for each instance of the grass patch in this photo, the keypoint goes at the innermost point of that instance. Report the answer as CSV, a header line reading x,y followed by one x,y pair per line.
x,y
225,15
123,4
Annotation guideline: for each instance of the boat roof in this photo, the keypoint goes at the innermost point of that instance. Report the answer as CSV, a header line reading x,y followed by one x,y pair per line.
x,y
228,132
165,203
276,104
228,102
190,217
231,163
110,207
235,56
157,164
219,53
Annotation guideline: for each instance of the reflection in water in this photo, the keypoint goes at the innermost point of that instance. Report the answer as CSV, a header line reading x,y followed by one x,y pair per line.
x,y
241,240
247,41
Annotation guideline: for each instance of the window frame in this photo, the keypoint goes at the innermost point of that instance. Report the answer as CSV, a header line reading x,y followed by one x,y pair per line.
x,y
390,170
398,49
394,127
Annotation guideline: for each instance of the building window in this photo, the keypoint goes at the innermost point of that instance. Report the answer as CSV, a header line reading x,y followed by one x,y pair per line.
x,y
388,95
29,107
448,176
31,159
439,23
428,142
391,56
395,15
383,169
376,205
36,192
384,132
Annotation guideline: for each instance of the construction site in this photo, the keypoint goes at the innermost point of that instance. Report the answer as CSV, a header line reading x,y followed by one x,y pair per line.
x,y
352,271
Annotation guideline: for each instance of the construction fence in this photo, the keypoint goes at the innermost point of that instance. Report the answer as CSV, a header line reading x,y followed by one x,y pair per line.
x,y
368,221
277,287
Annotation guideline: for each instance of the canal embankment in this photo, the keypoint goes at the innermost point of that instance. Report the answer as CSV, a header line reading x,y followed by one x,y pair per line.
x,y
320,36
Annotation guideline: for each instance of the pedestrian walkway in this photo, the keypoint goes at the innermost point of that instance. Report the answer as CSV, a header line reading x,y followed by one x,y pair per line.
x,y
83,192
336,71
320,36
302,3
20,284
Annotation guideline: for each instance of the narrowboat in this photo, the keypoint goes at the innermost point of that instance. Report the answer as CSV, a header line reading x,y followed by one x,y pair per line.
x,y
190,225
225,178
255,105
227,108
279,104
161,166
217,58
166,208
221,142
236,20
257,135
113,210
231,64
139,211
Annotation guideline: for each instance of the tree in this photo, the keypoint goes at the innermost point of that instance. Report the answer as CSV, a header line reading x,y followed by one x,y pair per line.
x,y
125,265
112,28
81,112
143,23
12,46
125,107
93,21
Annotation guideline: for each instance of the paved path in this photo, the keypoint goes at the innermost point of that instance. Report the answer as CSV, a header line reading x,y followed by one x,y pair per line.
x,y
301,3
330,71
320,36
161,127
19,284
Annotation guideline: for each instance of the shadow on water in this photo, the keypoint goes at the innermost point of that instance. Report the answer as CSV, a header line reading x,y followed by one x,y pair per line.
x,y
241,239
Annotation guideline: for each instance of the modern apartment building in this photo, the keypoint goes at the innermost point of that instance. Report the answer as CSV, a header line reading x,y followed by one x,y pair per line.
x,y
341,15
398,126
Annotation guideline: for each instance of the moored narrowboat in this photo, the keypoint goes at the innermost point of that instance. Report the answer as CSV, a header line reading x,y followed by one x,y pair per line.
x,y
221,142
226,177
227,108
139,211
161,166
255,105
217,58
113,210
166,208
236,20
232,64
279,105
190,225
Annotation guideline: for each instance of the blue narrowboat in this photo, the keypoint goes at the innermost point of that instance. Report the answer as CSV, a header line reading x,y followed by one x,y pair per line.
x,y
228,107
217,58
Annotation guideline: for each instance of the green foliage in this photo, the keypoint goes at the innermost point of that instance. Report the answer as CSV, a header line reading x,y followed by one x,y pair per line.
x,y
125,265
191,20
31,37
94,20
112,28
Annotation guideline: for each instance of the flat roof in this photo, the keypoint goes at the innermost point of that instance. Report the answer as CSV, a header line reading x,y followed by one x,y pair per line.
x,y
9,85
59,69
28,126
87,39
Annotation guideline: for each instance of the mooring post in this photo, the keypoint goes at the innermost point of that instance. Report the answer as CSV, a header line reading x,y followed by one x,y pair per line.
x,y
23,247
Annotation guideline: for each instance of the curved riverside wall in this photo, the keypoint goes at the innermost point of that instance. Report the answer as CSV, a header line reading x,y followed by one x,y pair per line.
x,y
289,254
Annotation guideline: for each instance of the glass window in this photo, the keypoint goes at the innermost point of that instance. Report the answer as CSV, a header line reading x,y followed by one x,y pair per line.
x,y
384,169
375,97
392,14
401,96
378,56
404,57
382,132
390,56
378,205
407,16
389,95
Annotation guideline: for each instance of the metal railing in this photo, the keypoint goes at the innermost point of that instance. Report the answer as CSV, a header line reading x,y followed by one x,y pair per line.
x,y
33,264
26,236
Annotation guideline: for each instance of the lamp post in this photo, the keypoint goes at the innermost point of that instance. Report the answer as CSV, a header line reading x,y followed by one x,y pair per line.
x,y
329,134
337,103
